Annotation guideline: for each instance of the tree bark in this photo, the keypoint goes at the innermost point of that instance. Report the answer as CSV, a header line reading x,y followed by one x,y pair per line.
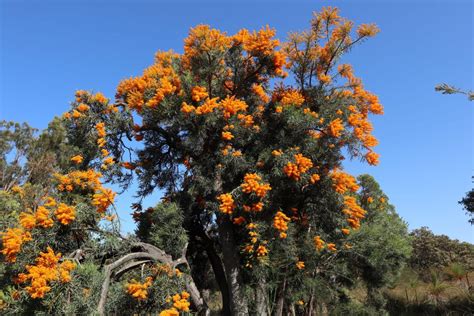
x,y
150,253
261,301
218,269
281,299
231,260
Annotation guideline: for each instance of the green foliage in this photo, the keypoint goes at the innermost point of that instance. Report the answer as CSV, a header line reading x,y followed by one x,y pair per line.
x,y
162,226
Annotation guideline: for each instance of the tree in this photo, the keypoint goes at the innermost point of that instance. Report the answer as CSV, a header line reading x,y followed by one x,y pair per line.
x,y
468,204
252,162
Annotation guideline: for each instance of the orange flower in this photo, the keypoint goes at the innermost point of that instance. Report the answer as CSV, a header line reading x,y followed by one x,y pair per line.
x,y
301,165
335,128
42,217
319,243
27,220
230,106
372,158
199,93
300,265
83,107
343,182
239,220
103,198
262,251
12,240
314,178
332,247
139,290
292,97
367,30
252,184
345,231
77,159
227,203
65,213
280,222
227,135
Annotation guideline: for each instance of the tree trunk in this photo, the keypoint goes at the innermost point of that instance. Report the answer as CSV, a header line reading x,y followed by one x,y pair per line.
x,y
231,260
261,298
218,269
281,299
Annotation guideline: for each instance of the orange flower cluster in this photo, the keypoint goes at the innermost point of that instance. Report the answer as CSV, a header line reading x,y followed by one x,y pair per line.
x,y
139,290
83,108
180,303
65,213
372,158
280,222
227,136
291,97
27,220
319,243
331,247
202,39
257,207
335,128
300,265
12,240
258,43
42,215
342,182
301,165
227,203
83,180
46,270
314,178
353,211
230,106
262,251
102,199
77,159
252,184
368,30
160,78
260,92
199,93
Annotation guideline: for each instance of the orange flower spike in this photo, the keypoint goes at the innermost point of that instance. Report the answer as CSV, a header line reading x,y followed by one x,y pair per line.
x,y
227,205
100,128
280,222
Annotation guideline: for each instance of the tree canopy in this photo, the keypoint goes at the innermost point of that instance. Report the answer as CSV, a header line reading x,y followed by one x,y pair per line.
x,y
245,135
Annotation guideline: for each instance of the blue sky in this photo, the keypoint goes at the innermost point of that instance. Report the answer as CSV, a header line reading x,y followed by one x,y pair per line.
x,y
49,49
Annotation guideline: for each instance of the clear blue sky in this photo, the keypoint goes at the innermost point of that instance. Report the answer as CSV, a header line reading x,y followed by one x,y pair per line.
x,y
50,49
